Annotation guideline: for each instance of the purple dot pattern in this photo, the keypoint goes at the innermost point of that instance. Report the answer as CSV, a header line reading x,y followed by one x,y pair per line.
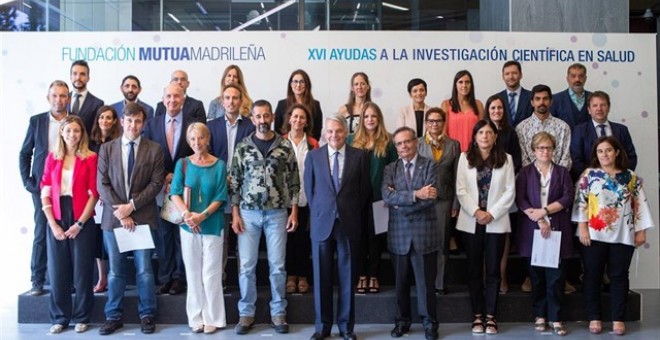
x,y
595,66
604,73
283,35
599,39
647,245
615,83
476,37
24,230
574,39
639,73
377,93
156,38
5,52
645,114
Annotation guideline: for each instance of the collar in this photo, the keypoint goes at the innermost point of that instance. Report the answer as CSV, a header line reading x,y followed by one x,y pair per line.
x,y
596,124
125,140
82,93
52,119
331,150
517,91
412,161
572,93
178,117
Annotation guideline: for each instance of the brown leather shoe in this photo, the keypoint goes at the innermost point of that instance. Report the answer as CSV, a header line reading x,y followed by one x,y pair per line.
x,y
164,289
178,287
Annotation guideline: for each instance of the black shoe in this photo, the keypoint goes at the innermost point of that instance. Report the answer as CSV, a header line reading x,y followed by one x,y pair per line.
x,y
348,336
164,289
178,287
37,289
110,326
400,328
431,334
279,323
319,336
148,325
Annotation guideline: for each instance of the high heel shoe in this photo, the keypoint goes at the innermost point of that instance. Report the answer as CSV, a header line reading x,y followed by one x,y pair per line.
x,y
374,286
362,285
303,286
291,284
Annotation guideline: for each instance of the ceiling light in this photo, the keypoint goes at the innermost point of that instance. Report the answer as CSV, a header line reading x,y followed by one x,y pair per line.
x,y
393,6
174,18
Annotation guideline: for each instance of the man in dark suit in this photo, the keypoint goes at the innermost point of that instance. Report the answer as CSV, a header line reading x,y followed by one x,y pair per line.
x,y
41,138
131,88
337,186
130,176
515,96
570,105
191,106
413,237
83,102
169,131
585,135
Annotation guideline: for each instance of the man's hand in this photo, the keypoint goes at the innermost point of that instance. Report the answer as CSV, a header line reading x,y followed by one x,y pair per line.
x,y
122,210
128,223
426,193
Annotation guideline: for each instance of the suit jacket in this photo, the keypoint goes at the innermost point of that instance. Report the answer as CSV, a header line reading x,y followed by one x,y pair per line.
x,y
447,165
500,196
191,107
88,110
155,130
524,108
218,129
34,151
146,182
407,118
584,137
413,222
119,106
563,108
349,204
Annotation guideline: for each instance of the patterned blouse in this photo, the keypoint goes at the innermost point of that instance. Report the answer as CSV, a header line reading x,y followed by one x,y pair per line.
x,y
484,175
614,207
552,125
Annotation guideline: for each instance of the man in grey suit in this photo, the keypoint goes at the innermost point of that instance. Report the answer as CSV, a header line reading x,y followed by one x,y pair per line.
x,y
413,237
130,176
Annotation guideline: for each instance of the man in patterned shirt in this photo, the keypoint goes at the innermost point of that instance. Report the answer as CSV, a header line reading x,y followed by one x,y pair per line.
x,y
264,183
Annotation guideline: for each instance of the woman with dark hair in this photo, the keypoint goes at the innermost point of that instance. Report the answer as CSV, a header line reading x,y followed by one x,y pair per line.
x,y
412,115
612,214
299,91
463,110
231,75
298,246
485,187
360,94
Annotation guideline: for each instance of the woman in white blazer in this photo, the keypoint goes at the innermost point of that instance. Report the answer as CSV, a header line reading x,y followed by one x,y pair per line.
x,y
485,188
412,115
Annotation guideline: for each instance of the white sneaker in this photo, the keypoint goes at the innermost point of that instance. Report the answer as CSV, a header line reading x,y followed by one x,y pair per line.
x,y
81,327
56,329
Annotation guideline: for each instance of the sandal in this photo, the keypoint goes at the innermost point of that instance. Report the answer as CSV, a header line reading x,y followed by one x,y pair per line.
x,y
362,285
539,324
621,330
491,325
595,327
100,288
558,329
303,286
504,287
374,286
291,285
477,325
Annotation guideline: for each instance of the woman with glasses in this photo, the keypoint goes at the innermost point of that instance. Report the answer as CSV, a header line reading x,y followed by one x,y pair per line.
x,y
544,194
412,115
445,151
231,75
463,110
360,94
299,91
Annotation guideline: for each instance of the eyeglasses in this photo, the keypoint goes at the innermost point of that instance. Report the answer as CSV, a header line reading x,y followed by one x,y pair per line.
x,y
407,142
175,79
298,82
435,121
544,148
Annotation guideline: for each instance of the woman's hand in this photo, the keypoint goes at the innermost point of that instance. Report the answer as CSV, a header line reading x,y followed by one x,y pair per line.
x,y
545,228
583,234
640,238
58,232
73,231
537,215
194,221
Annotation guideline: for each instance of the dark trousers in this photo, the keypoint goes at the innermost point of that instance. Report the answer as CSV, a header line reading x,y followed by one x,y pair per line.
x,y
323,254
168,249
482,247
424,267
298,246
547,291
371,249
617,258
39,258
71,261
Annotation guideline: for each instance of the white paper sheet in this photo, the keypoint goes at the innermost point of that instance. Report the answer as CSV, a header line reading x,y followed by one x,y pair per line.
x,y
136,240
545,251
381,216
98,212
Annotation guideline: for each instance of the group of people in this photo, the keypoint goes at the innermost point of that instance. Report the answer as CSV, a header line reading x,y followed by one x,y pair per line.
x,y
459,173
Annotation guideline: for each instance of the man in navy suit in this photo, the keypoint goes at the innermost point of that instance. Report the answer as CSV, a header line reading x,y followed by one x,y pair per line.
x,y
131,88
337,186
515,96
585,135
570,105
83,102
413,237
169,130
41,138
191,106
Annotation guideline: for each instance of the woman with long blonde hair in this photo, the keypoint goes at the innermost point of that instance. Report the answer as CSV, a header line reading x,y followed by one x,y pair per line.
x,y
231,75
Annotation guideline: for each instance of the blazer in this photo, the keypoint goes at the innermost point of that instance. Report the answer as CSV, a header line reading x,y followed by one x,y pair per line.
x,y
500,197
584,137
34,151
563,108
146,182
88,110
446,184
119,106
349,204
218,128
155,130
317,117
412,222
407,118
191,107
83,185
528,195
524,108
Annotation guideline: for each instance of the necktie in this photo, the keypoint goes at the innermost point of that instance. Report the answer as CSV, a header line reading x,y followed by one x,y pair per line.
x,y
408,175
335,171
169,136
131,160
602,130
512,105
75,108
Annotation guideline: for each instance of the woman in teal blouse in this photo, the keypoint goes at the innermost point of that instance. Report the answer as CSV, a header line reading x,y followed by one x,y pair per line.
x,y
203,180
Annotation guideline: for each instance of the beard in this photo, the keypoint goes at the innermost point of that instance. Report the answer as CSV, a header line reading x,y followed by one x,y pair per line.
x,y
130,96
263,128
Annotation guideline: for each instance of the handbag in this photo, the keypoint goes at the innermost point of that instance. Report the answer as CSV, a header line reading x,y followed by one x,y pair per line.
x,y
168,211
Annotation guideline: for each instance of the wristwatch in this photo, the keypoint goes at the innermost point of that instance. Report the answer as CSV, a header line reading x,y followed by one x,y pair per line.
x,y
80,224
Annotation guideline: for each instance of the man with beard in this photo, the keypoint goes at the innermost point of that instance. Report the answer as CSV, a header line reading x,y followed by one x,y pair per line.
x,y
542,120
264,183
83,102
191,106
517,98
131,88
571,104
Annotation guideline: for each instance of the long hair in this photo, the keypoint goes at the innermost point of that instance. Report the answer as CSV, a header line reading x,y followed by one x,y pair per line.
x,y
246,103
286,127
455,103
621,161
351,94
380,138
504,125
115,131
82,149
308,98
496,158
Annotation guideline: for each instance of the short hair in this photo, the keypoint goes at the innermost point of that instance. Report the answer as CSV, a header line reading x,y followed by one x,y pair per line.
x,y
198,127
261,103
58,83
414,82
286,127
512,63
543,137
233,86
173,86
437,110
541,88
338,118
404,129
130,76
621,161
577,66
599,94
133,109
82,63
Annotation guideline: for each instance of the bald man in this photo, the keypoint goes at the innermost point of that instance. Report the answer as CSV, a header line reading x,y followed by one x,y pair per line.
x,y
191,106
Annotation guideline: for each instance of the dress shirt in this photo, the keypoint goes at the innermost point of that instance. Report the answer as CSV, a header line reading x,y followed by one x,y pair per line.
x,y
232,129
331,160
608,128
412,169
125,149
301,150
81,99
577,100
552,125
177,129
53,131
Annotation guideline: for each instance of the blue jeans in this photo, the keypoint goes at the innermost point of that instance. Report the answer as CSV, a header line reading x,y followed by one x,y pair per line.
x,y
273,224
144,279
